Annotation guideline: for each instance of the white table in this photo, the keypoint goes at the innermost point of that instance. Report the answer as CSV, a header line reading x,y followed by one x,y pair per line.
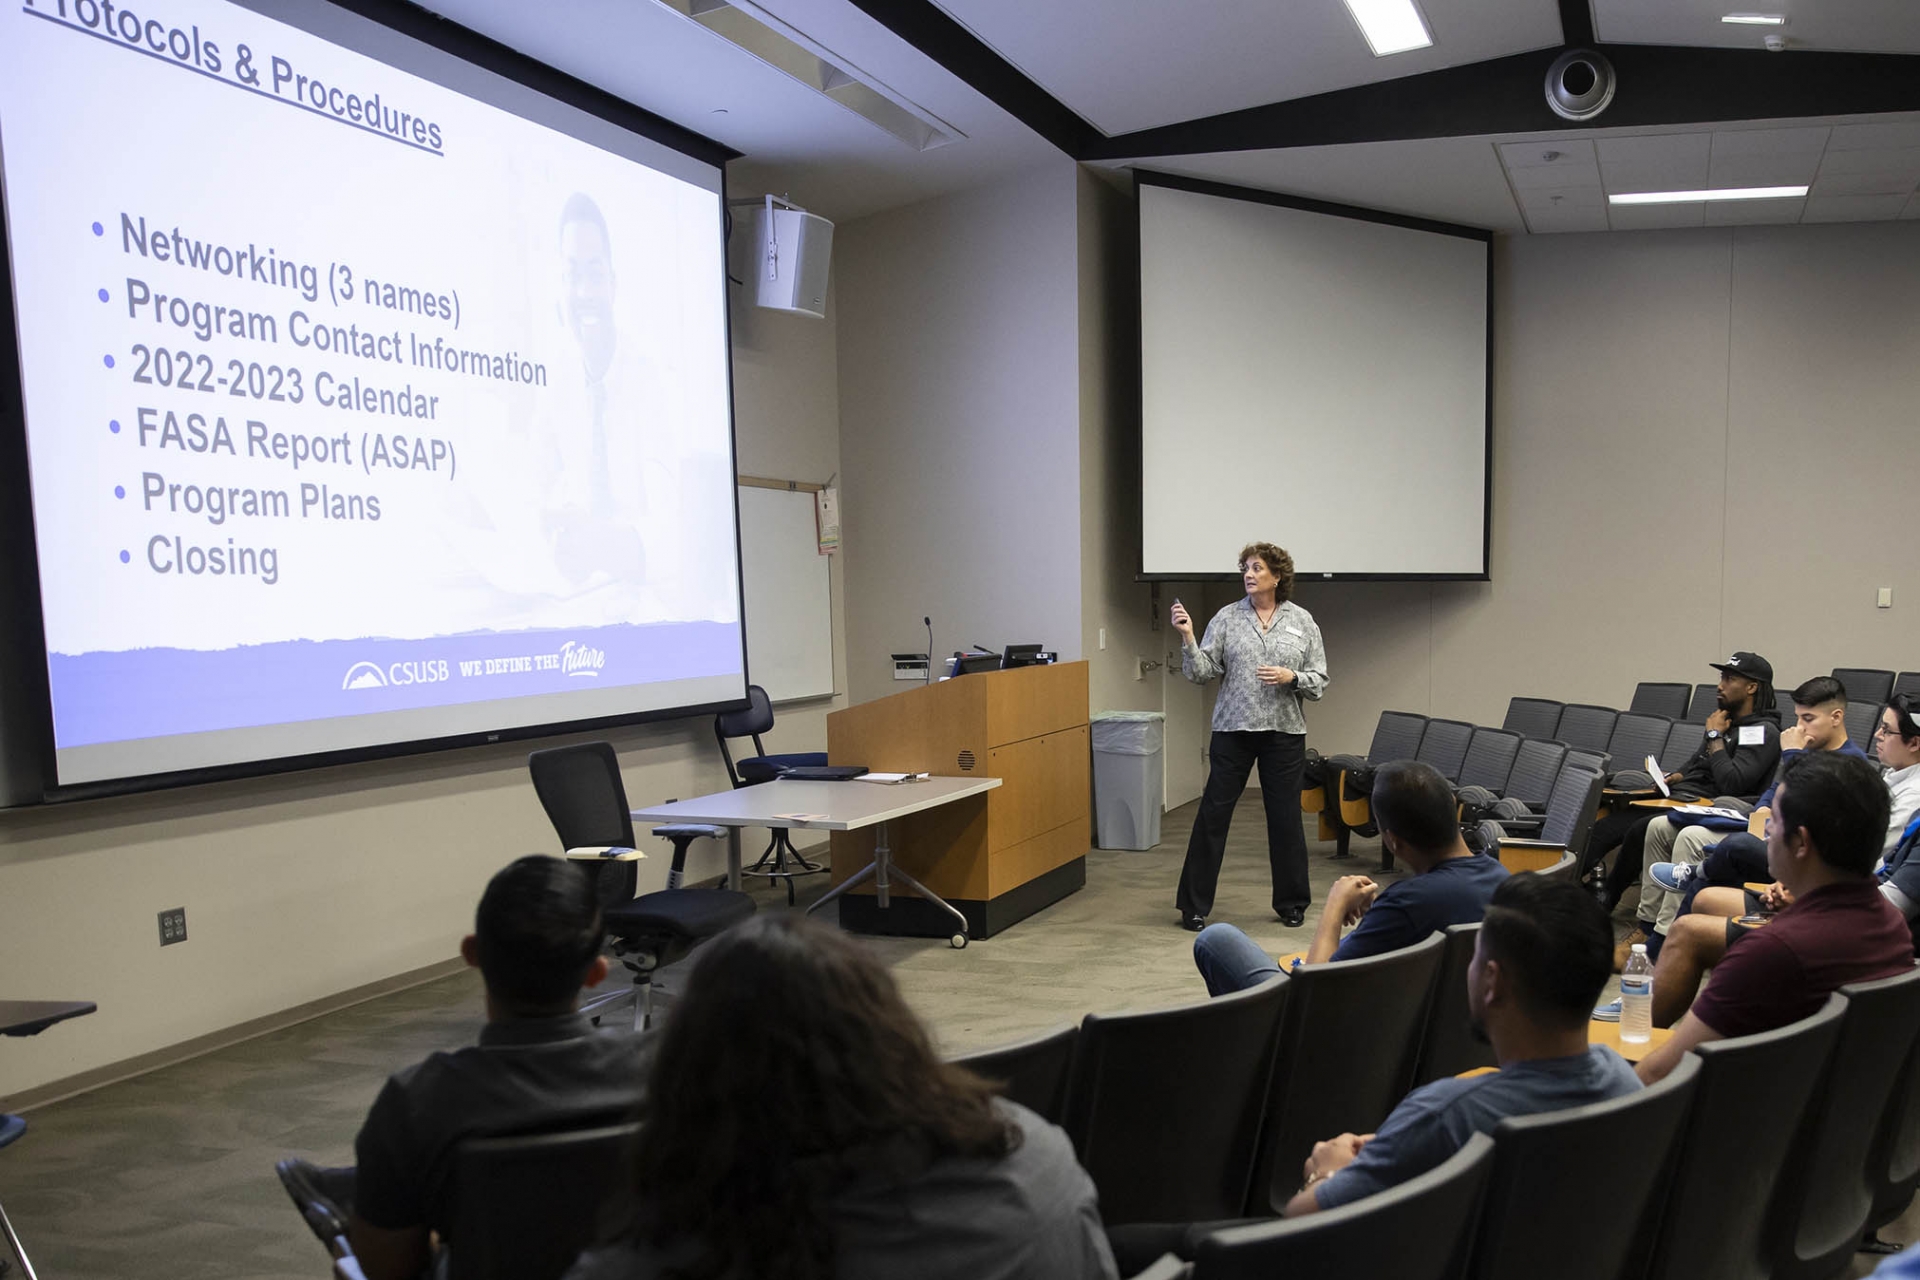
x,y
828,806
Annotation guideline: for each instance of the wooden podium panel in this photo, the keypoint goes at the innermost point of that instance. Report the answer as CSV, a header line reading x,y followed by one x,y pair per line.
x,y
998,857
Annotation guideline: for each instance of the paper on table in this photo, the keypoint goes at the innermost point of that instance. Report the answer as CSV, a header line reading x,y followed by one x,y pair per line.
x,y
889,779
1659,777
802,817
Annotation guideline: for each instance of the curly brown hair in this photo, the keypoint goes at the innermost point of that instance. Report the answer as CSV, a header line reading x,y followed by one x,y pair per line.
x,y
1278,563
790,1067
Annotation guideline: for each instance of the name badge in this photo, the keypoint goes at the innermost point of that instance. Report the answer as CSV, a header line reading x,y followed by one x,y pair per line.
x,y
1752,735
1295,631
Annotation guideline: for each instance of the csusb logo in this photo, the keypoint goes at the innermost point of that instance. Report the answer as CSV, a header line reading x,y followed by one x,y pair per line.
x,y
581,660
365,675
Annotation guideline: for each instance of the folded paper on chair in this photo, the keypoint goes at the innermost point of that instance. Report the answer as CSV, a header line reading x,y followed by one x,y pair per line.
x,y
606,852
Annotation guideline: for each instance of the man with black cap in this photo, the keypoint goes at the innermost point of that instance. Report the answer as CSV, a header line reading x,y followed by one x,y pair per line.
x,y
1736,759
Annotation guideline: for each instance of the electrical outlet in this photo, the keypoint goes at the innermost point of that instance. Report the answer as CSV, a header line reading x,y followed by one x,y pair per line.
x,y
1103,637
173,926
1885,598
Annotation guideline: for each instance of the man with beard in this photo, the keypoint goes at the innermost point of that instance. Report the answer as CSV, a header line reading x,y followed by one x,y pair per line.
x,y
1542,956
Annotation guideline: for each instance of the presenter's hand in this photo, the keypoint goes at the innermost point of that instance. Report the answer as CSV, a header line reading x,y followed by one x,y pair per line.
x,y
1275,675
1181,622
1350,897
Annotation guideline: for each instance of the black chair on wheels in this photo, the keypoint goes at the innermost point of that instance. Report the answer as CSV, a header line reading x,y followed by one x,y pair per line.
x,y
781,859
580,789
524,1207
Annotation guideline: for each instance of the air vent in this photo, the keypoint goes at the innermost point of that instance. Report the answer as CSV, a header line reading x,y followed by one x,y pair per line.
x,y
753,29
967,762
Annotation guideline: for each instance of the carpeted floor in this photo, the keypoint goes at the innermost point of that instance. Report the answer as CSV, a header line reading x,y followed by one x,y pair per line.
x,y
172,1173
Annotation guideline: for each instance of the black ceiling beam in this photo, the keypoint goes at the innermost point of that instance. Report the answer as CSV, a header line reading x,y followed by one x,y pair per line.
x,y
929,29
1658,85
1576,22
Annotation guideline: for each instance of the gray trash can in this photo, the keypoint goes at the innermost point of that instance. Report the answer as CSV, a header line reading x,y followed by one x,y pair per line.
x,y
1129,789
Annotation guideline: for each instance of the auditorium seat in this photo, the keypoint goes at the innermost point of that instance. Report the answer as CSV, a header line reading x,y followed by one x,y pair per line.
x,y
1444,746
1862,719
1348,1041
1164,1107
1571,1191
524,1207
1032,1072
1536,844
1536,765
1448,1045
1419,1230
1827,1197
1489,760
1907,682
1396,736
1747,1108
1584,726
1895,1167
1654,699
1532,717
1635,737
1866,684
1706,700
1682,741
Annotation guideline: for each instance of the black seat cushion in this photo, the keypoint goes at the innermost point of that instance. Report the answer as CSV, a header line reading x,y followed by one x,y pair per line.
x,y
765,768
679,913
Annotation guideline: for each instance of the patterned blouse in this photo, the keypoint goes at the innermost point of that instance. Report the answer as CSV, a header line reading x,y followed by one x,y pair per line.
x,y
1234,647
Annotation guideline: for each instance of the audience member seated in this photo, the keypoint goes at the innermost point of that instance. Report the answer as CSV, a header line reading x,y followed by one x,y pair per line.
x,y
799,1125
1542,957
1673,849
540,1065
1832,925
1418,819
1739,753
1740,858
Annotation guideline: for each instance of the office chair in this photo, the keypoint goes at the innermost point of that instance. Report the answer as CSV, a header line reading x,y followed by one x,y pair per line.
x,y
781,859
581,791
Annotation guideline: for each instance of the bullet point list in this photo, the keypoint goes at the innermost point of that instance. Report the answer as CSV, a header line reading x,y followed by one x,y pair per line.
x,y
99,230
103,295
109,360
125,557
119,491
114,426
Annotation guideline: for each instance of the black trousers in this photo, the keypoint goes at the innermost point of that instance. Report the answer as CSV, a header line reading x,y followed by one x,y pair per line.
x,y
1282,758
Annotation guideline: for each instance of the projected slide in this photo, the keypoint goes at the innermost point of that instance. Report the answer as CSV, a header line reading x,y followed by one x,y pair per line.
x,y
358,410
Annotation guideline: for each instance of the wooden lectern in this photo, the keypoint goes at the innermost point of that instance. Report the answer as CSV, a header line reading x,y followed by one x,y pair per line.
x,y
999,857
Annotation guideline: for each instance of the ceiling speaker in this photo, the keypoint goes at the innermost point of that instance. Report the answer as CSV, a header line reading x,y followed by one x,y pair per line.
x,y
1579,84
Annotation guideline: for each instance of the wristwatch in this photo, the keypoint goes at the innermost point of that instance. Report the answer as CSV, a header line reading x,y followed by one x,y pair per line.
x,y
1714,735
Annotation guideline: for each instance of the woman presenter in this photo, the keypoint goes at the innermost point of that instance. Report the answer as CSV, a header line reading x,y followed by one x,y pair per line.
x,y
1267,654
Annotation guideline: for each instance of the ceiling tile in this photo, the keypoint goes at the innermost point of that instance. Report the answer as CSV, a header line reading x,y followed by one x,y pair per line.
x,y
1544,199
1571,220
1790,169
1865,184
1649,217
1874,135
1557,165
1748,142
1905,163
1865,26
1749,213
1853,208
1659,162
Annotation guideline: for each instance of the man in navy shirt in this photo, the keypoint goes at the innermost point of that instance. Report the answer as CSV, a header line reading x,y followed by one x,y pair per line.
x,y
1544,951
1419,824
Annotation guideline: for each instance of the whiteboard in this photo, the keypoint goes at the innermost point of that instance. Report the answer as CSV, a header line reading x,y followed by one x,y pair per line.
x,y
789,595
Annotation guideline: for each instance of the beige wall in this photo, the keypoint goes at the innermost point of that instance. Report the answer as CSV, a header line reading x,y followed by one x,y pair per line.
x,y
1702,442
959,393
306,885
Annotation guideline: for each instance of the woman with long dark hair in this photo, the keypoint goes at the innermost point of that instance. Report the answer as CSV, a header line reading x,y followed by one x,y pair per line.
x,y
799,1126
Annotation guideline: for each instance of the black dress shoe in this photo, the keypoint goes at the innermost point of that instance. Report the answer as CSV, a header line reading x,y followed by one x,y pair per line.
x,y
1192,923
303,1183
1293,917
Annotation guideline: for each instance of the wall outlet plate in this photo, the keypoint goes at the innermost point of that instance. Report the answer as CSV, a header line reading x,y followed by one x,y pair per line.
x,y
173,926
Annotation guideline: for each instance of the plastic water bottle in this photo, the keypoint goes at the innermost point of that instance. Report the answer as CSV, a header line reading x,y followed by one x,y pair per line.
x,y
1636,997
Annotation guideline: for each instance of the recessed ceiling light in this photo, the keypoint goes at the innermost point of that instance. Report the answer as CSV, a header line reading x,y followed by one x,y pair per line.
x,y
1390,26
1755,19
1718,193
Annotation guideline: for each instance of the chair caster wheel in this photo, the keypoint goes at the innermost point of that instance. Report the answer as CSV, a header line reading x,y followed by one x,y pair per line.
x,y
958,942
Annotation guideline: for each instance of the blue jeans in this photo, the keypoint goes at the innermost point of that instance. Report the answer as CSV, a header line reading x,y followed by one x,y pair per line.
x,y
1231,961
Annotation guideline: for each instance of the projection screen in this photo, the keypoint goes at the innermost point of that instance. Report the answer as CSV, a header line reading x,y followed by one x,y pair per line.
x,y
1314,376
